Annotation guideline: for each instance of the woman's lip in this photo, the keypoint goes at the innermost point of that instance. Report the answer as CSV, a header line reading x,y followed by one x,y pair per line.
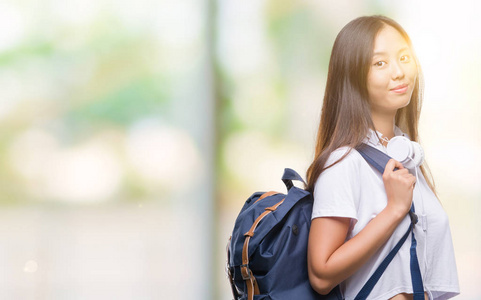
x,y
400,90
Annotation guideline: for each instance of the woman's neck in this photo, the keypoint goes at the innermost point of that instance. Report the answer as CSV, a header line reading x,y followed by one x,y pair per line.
x,y
384,124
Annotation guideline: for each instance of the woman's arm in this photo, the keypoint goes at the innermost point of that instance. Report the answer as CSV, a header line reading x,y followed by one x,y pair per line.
x,y
330,260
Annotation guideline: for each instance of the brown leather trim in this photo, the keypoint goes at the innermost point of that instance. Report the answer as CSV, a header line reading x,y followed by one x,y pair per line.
x,y
251,282
267,194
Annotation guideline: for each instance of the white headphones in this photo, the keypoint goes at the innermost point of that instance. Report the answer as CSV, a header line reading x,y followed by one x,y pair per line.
x,y
410,154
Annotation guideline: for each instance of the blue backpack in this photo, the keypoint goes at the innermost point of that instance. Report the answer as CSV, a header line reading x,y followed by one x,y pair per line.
x,y
267,252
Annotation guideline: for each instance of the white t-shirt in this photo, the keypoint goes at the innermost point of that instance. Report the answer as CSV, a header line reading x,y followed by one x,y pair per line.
x,y
354,189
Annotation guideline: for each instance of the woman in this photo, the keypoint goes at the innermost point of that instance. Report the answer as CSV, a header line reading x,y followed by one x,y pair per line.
x,y
373,93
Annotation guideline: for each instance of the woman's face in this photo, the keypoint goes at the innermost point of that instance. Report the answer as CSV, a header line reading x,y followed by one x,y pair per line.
x,y
392,66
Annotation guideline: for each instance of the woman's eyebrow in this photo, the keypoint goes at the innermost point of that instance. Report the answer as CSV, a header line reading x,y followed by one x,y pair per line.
x,y
382,52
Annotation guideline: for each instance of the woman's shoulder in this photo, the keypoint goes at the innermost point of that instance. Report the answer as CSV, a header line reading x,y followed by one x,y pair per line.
x,y
348,156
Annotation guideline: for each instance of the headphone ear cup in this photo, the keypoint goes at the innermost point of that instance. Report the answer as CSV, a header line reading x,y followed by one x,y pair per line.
x,y
418,154
400,148
407,152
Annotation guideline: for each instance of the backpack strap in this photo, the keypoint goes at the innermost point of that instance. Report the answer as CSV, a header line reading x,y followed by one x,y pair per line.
x,y
250,280
378,160
369,285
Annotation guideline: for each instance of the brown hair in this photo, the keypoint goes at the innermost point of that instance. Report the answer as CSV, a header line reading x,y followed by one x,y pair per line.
x,y
346,115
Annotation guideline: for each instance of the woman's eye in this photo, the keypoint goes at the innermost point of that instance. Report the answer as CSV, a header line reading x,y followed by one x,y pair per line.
x,y
379,63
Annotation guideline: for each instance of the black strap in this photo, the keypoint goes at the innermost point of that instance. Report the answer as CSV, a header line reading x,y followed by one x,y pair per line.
x,y
235,294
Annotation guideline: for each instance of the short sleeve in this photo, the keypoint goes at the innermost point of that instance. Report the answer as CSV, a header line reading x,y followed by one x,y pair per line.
x,y
337,189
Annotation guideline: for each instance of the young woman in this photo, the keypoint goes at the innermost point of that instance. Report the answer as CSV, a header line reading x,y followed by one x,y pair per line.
x,y
374,93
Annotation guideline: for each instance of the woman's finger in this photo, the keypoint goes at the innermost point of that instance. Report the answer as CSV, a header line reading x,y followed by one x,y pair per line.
x,y
391,164
402,171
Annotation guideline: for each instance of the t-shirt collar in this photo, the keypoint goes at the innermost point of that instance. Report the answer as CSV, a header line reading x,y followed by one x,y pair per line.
x,y
372,138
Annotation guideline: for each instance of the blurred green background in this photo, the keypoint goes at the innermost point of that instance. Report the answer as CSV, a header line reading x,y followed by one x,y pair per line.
x,y
131,133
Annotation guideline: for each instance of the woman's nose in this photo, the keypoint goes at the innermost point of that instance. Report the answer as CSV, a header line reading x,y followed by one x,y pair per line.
x,y
397,70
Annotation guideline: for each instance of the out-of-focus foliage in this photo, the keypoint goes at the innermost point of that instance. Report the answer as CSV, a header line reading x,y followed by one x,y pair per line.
x,y
73,94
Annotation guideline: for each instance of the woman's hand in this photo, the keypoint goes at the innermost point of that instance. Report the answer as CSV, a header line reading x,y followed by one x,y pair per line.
x,y
399,186
330,259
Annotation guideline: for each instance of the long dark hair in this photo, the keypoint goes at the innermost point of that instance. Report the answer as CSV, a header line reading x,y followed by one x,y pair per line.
x,y
346,115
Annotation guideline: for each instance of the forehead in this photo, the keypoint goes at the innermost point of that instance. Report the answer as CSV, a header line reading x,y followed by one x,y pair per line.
x,y
389,41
